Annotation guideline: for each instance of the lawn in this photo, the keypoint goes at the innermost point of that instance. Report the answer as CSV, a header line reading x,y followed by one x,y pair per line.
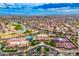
x,y
76,24
74,39
9,50
50,42
60,35
34,42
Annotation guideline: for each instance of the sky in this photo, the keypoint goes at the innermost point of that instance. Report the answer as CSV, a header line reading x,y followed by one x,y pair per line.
x,y
39,9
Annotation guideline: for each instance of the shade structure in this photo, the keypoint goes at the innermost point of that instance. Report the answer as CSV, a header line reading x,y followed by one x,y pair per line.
x,y
29,37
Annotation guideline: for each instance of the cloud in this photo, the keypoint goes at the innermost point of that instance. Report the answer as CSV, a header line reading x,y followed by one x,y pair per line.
x,y
39,8
19,5
58,5
2,5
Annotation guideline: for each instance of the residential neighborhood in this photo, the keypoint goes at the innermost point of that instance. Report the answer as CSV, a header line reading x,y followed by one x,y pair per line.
x,y
39,36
